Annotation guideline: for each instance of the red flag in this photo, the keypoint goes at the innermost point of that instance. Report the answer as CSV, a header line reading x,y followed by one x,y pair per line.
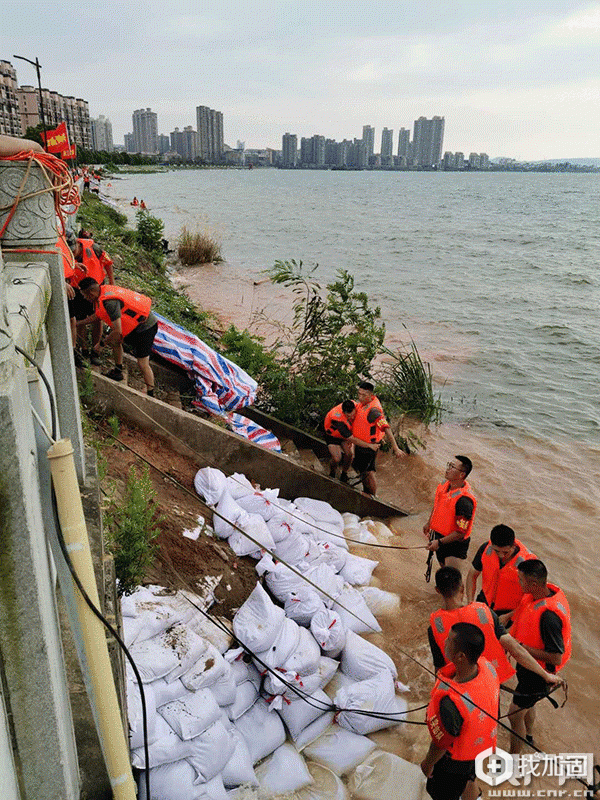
x,y
56,140
69,153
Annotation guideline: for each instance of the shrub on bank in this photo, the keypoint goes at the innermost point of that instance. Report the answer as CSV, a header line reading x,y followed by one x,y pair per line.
x,y
198,247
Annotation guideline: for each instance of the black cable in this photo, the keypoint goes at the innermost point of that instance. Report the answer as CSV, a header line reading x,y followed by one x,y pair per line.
x,y
84,594
48,389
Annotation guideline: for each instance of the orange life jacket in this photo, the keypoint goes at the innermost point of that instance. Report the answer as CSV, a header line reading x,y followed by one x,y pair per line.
x,y
477,614
368,431
478,731
135,309
527,618
443,519
92,268
501,586
68,258
336,414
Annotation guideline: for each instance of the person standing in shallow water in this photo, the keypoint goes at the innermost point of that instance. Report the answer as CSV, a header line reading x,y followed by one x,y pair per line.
x,y
369,429
449,526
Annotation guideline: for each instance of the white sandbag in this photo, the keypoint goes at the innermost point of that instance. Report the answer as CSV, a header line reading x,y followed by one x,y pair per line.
x,y
301,712
325,785
378,528
257,622
264,503
293,548
210,484
282,773
320,510
263,732
238,770
153,660
256,529
350,519
281,525
329,631
187,646
211,790
354,612
331,554
326,670
362,659
379,601
192,715
241,669
302,604
238,485
328,532
165,692
211,751
358,570
224,689
380,775
178,601
285,643
135,717
280,682
312,732
305,657
171,782
227,514
361,534
206,629
206,671
323,577
167,747
374,694
245,697
281,580
339,750
151,618
130,602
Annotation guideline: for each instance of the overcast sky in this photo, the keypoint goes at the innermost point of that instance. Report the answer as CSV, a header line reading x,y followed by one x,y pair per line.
x,y
519,79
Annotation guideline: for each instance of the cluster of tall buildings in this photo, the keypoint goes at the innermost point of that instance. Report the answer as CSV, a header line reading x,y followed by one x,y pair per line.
x,y
204,143
423,151
22,107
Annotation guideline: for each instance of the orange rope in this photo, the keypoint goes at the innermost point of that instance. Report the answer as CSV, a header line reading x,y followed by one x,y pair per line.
x,y
58,178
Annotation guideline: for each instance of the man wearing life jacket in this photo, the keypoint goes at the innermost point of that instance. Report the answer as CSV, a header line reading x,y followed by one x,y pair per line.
x,y
542,624
448,529
497,562
369,429
129,315
338,430
459,729
91,261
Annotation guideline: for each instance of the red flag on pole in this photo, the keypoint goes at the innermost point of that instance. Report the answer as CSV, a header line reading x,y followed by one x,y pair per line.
x,y
56,140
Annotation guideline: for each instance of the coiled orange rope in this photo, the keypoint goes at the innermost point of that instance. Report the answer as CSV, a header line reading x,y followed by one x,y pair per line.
x,y
58,179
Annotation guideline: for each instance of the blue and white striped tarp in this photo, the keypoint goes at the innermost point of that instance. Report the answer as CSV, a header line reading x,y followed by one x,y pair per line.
x,y
222,388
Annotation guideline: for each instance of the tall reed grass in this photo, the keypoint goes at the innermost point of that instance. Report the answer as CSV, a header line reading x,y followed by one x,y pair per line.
x,y
198,247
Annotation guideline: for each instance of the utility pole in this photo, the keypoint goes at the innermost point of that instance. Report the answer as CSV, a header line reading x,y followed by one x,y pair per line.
x,y
38,67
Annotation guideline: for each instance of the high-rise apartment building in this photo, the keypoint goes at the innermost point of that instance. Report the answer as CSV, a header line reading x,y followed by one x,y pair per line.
x,y
129,143
289,150
209,124
102,134
368,137
428,136
164,143
404,144
387,145
73,111
145,131
185,143
10,118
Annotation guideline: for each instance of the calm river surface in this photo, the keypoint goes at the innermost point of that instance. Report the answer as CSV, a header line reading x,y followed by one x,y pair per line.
x,y
497,279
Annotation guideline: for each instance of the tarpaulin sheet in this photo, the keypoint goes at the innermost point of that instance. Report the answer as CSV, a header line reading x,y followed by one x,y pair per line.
x,y
222,388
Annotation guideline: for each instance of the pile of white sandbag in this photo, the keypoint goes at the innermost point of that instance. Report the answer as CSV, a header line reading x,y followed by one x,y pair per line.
x,y
288,713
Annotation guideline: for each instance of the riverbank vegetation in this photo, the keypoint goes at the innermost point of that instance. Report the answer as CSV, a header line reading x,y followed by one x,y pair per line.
x,y
335,340
198,247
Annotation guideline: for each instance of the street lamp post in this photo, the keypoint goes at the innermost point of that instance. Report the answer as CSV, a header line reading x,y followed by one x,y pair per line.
x,y
37,66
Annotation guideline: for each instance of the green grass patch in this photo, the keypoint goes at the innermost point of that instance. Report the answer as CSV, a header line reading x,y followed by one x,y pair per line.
x,y
198,247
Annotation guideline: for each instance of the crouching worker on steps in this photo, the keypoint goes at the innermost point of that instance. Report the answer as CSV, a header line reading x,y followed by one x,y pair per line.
x,y
338,430
129,315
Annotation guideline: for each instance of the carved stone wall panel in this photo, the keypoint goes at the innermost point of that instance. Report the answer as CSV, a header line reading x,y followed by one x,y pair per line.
x,y
33,224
